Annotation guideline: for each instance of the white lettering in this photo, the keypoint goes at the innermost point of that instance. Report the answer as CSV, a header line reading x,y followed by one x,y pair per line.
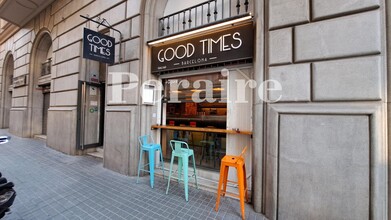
x,y
215,42
173,54
188,50
97,40
184,50
224,47
208,46
234,36
267,86
117,87
179,52
196,96
174,89
159,56
203,46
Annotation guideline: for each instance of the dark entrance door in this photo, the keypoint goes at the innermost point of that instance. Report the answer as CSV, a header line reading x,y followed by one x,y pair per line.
x,y
7,108
90,115
46,103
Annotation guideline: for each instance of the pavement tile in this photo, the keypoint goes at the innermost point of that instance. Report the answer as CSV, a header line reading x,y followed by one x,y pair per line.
x,y
52,185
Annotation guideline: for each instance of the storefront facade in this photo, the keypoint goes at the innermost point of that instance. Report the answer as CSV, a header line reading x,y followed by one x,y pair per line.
x,y
307,95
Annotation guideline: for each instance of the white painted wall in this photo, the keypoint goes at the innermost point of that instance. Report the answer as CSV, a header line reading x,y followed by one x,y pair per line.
x,y
175,5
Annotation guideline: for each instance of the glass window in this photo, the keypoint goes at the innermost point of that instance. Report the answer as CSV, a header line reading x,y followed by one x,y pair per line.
x,y
199,102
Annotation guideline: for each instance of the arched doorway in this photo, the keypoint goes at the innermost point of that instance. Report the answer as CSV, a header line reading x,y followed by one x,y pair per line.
x,y
41,79
7,89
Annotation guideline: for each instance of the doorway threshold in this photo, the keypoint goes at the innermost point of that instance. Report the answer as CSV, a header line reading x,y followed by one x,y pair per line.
x,y
40,137
98,153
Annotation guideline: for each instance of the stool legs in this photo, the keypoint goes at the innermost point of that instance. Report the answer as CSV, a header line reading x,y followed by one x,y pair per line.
x,y
139,164
225,179
186,177
241,189
242,185
151,158
180,167
183,167
222,171
245,183
151,155
195,172
169,175
161,160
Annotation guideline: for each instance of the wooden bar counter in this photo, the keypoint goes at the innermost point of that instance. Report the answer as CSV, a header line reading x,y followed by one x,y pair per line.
x,y
200,129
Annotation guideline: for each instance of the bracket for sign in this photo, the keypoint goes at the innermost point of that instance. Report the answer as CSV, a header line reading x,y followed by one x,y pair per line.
x,y
110,27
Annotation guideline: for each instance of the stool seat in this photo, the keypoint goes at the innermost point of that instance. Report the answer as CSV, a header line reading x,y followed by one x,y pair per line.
x,y
232,160
237,162
151,146
185,152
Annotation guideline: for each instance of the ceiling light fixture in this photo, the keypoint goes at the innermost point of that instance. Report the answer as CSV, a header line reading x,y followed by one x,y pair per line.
x,y
197,90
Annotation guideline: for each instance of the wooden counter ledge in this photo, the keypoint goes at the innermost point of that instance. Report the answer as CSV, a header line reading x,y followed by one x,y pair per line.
x,y
212,130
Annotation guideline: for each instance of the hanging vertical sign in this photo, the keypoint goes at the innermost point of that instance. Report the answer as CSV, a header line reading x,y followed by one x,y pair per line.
x,y
97,46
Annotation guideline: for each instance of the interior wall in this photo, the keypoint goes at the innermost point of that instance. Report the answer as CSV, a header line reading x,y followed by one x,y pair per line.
x,y
239,116
173,6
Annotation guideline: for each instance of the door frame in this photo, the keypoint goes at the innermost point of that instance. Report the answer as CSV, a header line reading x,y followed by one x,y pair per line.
x,y
45,91
81,97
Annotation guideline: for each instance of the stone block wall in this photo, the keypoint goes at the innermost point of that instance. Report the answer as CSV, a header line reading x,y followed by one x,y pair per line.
x,y
325,144
69,67
19,46
65,26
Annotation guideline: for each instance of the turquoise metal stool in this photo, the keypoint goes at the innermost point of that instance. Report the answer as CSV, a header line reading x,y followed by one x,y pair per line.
x,y
183,155
147,144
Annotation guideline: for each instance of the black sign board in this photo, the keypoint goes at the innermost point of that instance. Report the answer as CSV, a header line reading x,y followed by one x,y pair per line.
x,y
97,46
223,46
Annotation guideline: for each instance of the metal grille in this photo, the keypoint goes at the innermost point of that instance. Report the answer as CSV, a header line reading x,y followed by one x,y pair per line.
x,y
46,67
205,13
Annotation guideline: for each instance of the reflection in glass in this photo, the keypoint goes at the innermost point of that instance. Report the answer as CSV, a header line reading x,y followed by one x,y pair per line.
x,y
210,113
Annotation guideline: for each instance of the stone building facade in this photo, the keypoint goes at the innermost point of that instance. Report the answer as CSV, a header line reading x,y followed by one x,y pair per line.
x,y
318,152
327,136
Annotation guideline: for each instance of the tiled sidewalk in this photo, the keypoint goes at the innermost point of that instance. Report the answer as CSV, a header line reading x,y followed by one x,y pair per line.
x,y
51,185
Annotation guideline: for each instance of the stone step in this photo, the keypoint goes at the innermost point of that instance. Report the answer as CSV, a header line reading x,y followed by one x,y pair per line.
x,y
97,154
40,137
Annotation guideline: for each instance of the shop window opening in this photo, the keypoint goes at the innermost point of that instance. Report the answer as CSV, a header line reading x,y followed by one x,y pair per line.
x,y
207,113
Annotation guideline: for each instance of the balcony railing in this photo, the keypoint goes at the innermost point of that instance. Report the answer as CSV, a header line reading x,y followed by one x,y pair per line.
x,y
46,67
202,14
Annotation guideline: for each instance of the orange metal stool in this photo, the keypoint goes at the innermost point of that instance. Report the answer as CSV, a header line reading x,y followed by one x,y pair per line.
x,y
238,163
